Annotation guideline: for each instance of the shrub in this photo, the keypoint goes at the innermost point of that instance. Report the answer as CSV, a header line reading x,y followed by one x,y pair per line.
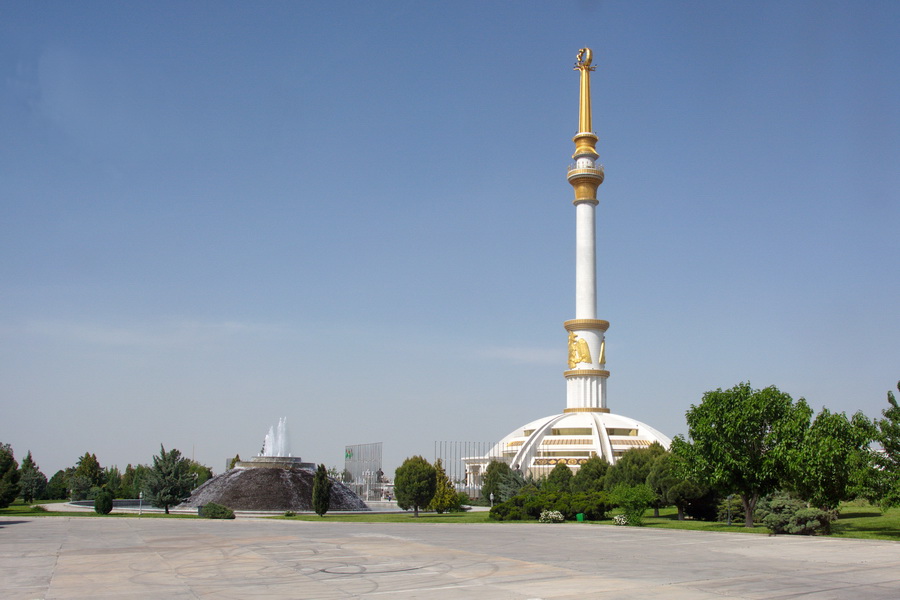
x,y
290,513
551,516
633,501
37,508
216,511
103,502
736,507
783,514
620,520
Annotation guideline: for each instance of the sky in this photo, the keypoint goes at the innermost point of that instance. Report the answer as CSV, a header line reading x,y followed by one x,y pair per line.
x,y
355,215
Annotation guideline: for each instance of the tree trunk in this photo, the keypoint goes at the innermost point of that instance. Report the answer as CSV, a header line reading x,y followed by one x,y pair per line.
x,y
680,513
416,510
655,511
749,502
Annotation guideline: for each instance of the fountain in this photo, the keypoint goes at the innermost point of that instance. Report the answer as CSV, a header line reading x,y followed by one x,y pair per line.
x,y
272,481
277,442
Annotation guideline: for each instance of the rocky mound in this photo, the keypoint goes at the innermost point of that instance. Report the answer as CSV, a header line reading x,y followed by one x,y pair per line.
x,y
269,489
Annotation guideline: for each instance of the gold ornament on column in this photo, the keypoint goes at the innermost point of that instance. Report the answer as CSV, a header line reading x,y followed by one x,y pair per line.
x,y
579,352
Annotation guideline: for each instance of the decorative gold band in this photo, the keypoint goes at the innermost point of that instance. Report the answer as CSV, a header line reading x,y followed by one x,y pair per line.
x,y
586,372
576,324
577,410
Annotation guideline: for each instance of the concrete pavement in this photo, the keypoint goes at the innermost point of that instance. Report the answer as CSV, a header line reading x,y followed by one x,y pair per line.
x,y
62,558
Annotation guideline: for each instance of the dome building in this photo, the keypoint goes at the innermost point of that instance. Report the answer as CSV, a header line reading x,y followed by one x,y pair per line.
x,y
586,427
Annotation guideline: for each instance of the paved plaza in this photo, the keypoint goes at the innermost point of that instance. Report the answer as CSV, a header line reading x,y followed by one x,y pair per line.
x,y
60,557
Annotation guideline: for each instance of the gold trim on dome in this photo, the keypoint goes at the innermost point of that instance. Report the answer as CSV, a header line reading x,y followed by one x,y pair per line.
x,y
566,442
591,372
592,324
565,461
582,410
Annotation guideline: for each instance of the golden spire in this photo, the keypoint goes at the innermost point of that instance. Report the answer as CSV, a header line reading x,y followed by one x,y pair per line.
x,y
585,56
585,139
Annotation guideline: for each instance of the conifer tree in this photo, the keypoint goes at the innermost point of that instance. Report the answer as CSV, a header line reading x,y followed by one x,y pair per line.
x,y
32,483
321,491
169,480
9,476
445,496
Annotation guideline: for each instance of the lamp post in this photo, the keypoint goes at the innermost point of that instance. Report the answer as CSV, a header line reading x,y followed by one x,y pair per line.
x,y
140,504
492,499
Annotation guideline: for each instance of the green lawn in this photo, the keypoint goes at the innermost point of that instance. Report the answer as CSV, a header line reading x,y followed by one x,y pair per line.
x,y
18,509
857,520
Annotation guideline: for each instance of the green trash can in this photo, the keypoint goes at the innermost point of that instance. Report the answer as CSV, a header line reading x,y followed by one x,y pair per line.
x,y
580,517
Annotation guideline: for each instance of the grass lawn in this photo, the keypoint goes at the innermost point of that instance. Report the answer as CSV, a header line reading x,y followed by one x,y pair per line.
x,y
19,509
856,520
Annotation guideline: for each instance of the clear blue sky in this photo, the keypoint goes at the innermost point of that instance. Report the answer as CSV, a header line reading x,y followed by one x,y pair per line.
x,y
355,215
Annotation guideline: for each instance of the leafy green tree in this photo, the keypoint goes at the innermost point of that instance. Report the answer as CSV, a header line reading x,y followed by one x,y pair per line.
x,y
321,491
884,486
742,441
9,476
133,480
823,466
169,480
88,466
445,496
202,472
57,487
113,478
670,488
590,475
633,466
32,483
559,479
414,483
79,486
234,461
494,475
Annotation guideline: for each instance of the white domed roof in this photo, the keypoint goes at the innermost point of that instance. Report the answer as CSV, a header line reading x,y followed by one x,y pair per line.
x,y
573,438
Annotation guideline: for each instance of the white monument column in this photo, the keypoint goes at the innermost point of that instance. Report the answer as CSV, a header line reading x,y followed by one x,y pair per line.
x,y
587,374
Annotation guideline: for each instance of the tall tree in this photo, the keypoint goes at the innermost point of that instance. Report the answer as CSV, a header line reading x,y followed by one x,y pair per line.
x,y
590,475
887,462
57,487
169,480
414,483
741,441
633,466
559,479
32,483
669,487
88,466
321,491
202,472
445,496
823,466
492,479
9,476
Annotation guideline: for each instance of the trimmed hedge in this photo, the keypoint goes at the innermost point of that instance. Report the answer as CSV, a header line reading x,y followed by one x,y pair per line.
x,y
216,511
530,505
103,502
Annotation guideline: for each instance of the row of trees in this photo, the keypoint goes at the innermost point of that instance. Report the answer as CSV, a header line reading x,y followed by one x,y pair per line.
x,y
752,443
419,484
166,482
743,443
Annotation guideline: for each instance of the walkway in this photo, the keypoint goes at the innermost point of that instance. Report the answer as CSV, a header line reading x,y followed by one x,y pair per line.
x,y
63,558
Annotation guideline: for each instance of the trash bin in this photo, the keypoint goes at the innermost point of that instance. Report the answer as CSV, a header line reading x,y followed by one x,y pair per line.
x,y
580,517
